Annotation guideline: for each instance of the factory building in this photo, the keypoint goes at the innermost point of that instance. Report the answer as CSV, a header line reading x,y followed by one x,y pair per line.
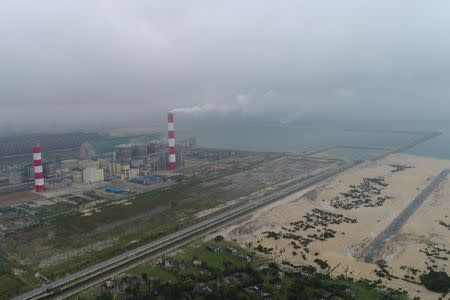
x,y
190,142
83,164
123,153
124,171
180,158
104,163
15,176
133,173
70,164
137,163
87,151
126,152
160,161
50,168
92,175
28,172
77,177
154,146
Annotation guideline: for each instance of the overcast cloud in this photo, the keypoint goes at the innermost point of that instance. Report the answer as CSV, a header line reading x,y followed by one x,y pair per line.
x,y
281,60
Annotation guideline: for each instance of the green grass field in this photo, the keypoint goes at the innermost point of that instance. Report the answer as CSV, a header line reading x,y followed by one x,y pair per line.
x,y
73,231
11,284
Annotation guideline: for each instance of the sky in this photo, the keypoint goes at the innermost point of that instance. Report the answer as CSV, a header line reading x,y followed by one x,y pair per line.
x,y
87,61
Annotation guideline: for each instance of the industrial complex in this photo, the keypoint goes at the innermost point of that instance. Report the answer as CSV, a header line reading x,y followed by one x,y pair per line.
x,y
134,159
111,203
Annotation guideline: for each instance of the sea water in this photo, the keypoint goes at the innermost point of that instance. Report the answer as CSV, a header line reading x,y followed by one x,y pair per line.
x,y
309,136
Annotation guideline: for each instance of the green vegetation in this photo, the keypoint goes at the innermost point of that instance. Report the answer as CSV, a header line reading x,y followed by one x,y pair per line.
x,y
57,211
67,241
399,168
322,263
4,267
10,283
200,271
365,194
436,281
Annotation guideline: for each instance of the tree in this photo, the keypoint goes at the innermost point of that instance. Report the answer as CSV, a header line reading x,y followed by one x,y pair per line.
x,y
436,281
144,277
105,296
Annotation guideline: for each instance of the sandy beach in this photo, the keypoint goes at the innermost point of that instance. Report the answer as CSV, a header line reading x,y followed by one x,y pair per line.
x,y
334,222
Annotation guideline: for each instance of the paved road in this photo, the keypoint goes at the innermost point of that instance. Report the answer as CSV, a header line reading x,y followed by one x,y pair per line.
x,y
119,263
373,250
113,265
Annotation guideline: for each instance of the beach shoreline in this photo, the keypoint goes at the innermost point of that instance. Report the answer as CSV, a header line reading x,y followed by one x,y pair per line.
x,y
322,224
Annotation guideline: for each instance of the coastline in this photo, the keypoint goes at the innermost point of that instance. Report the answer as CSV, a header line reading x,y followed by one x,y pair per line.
x,y
406,249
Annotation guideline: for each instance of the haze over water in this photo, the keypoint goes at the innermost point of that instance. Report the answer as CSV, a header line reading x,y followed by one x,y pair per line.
x,y
314,135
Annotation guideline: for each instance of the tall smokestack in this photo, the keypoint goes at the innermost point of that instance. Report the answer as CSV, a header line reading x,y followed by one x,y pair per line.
x,y
38,172
171,137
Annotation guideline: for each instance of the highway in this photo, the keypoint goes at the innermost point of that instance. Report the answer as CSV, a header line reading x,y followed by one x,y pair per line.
x,y
113,265
373,250
101,271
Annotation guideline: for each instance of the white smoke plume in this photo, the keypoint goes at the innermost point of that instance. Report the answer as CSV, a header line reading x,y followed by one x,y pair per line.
x,y
196,109
241,103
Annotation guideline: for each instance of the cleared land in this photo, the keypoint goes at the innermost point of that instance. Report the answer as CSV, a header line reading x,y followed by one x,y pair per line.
x,y
331,225
70,242
18,198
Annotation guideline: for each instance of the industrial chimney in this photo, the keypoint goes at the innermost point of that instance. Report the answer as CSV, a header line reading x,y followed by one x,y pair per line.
x,y
171,139
38,171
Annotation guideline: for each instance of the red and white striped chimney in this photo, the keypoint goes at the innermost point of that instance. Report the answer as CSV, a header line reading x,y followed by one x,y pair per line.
x,y
38,171
171,138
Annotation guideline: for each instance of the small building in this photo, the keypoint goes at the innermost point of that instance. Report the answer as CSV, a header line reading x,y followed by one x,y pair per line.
x,y
231,250
167,262
196,262
246,258
213,249
202,288
233,279
251,290
109,284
